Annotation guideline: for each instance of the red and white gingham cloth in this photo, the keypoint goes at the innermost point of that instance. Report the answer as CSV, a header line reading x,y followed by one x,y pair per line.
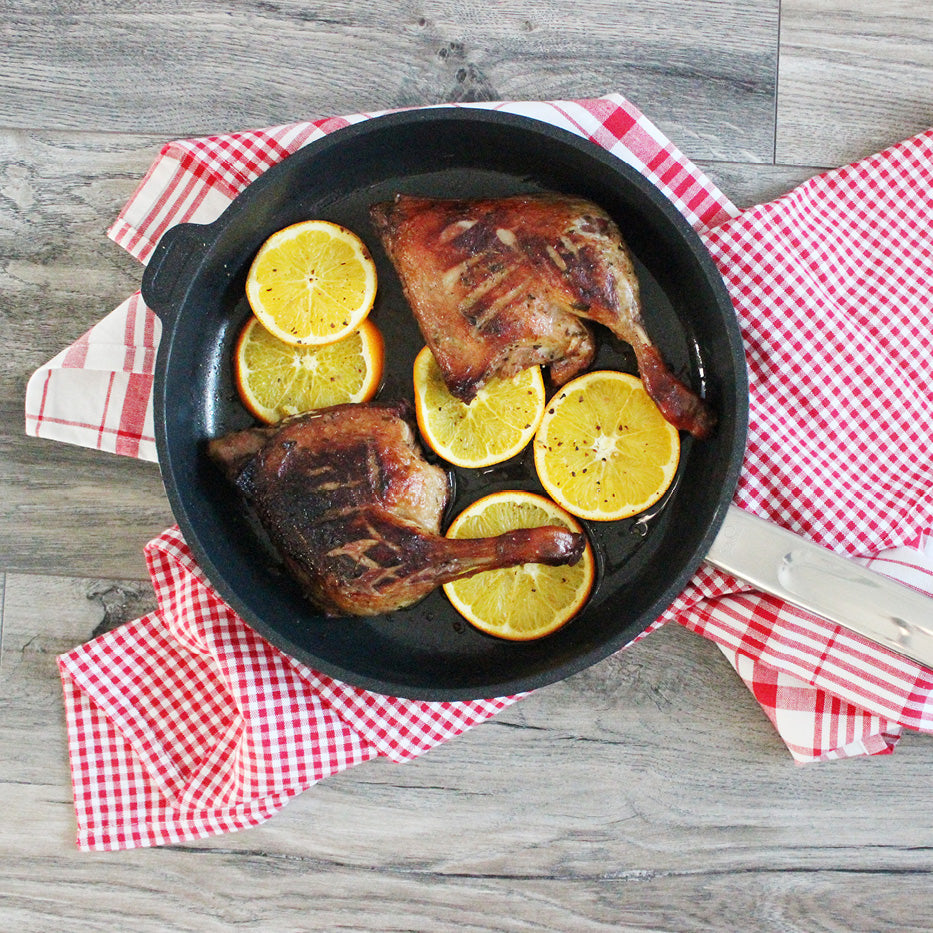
x,y
185,722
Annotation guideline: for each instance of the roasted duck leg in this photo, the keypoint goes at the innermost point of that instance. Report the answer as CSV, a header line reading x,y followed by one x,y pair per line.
x,y
502,284
354,510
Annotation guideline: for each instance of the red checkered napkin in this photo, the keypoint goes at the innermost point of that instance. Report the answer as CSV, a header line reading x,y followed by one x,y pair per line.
x,y
833,286
98,392
825,724
186,723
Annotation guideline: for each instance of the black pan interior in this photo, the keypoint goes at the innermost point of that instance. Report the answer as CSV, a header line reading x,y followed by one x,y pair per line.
x,y
428,651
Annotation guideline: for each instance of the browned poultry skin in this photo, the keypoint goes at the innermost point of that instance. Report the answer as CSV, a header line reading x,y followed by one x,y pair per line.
x,y
501,284
354,510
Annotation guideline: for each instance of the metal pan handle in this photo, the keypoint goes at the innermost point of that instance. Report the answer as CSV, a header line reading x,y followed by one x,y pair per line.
x,y
816,579
169,271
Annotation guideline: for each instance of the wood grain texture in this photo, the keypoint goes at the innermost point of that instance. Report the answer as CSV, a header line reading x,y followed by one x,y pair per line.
x,y
208,67
647,793
66,507
854,78
590,805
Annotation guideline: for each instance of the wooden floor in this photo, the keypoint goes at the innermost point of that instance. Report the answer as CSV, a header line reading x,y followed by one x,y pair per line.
x,y
648,793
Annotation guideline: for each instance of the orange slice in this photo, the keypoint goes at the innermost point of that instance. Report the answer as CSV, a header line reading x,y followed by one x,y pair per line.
x,y
495,426
525,602
603,450
312,283
276,379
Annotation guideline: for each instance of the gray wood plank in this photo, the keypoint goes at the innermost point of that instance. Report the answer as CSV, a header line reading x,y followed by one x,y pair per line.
x,y
204,69
855,77
648,793
153,892
747,185
61,506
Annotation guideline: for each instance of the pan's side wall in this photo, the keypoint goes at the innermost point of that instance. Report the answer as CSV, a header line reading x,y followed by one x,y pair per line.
x,y
426,652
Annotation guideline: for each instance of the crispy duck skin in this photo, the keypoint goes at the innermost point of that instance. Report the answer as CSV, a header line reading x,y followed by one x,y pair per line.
x,y
354,509
501,284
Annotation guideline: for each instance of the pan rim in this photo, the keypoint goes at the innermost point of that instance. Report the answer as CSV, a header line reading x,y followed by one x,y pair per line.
x,y
584,659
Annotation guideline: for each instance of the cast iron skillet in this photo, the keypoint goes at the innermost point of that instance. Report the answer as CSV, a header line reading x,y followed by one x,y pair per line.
x,y
195,283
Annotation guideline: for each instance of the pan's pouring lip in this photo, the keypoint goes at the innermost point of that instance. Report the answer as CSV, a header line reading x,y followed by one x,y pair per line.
x,y
186,410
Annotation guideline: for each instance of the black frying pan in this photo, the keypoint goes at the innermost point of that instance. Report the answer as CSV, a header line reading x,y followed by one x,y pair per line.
x,y
195,283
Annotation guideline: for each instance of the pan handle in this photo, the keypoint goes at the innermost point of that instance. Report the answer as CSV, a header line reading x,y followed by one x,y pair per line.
x,y
169,272
820,581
